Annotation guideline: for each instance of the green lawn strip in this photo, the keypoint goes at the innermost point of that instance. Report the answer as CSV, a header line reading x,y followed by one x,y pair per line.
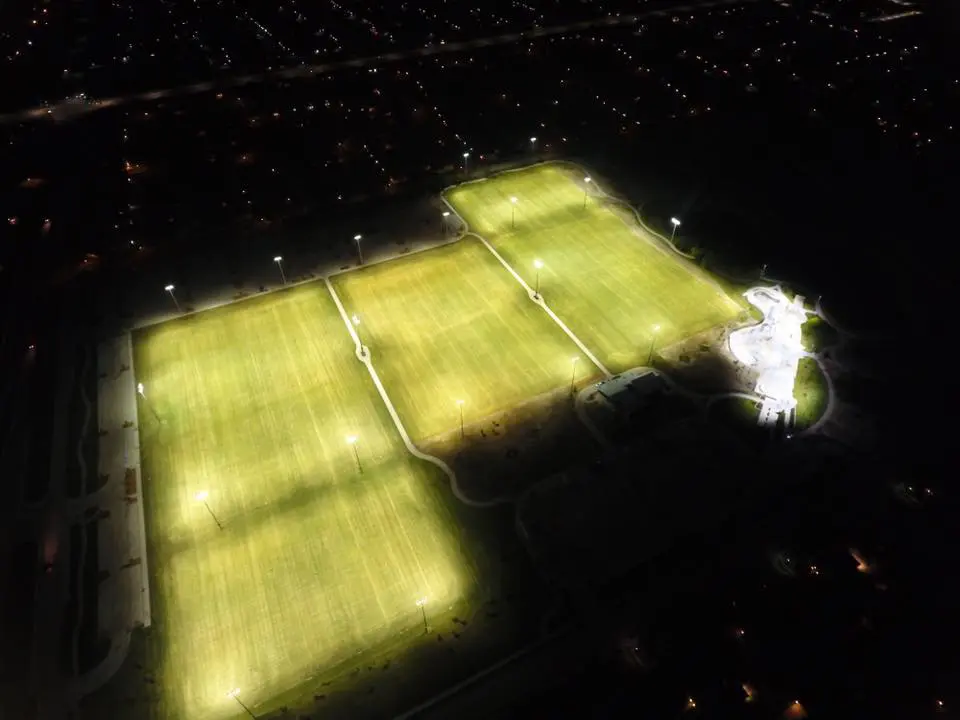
x,y
316,562
817,334
812,393
453,325
611,286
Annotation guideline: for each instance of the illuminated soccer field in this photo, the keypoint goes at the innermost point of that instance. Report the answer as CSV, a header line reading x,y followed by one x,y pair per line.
x,y
315,560
605,278
452,324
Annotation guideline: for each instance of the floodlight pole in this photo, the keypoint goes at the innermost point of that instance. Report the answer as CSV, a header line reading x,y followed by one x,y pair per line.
x,y
513,216
460,405
466,163
533,145
653,340
169,289
357,239
215,519
356,454
240,703
443,222
279,261
586,185
573,376
676,224
423,611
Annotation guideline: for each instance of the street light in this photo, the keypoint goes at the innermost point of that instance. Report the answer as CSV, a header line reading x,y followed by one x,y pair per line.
x,y
352,440
422,604
466,163
279,261
460,405
676,224
235,694
513,212
533,144
573,373
169,289
357,239
586,185
202,497
140,390
653,339
537,264
443,222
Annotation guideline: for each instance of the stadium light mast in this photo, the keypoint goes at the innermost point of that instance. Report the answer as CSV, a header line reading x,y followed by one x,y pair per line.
x,y
653,340
169,289
676,224
586,186
513,212
235,694
533,144
466,163
460,405
279,261
422,604
573,373
352,440
357,238
538,264
443,221
202,497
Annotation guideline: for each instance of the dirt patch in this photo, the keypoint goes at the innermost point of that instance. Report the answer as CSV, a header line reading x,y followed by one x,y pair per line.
x,y
506,452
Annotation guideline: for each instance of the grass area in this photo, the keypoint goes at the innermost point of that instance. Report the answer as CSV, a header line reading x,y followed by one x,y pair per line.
x,y
812,393
452,324
817,334
606,278
316,561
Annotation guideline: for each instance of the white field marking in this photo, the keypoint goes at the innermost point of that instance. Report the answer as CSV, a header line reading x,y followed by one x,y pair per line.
x,y
364,357
538,300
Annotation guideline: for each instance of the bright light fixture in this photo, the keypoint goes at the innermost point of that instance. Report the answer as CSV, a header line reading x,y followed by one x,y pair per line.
x,y
656,328
459,402
533,139
357,237
169,288
513,200
421,602
140,388
587,179
233,693
277,258
446,213
675,222
356,320
538,263
351,439
201,496
466,155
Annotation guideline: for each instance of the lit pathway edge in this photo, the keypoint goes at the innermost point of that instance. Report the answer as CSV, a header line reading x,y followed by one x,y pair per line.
x,y
363,355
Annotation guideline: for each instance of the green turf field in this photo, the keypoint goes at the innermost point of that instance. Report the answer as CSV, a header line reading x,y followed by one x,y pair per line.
x,y
452,324
605,278
316,561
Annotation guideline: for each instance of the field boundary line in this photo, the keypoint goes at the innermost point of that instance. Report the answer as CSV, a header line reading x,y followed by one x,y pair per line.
x,y
363,355
533,296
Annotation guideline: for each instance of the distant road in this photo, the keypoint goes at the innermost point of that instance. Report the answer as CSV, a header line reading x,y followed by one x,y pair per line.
x,y
68,110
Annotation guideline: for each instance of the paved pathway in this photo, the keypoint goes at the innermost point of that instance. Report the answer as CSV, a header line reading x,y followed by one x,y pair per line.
x,y
363,355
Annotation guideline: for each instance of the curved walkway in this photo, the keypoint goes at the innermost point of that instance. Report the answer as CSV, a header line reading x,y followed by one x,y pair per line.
x,y
363,355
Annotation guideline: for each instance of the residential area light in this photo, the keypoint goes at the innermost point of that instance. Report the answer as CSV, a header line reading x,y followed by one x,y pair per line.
x,y
676,224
